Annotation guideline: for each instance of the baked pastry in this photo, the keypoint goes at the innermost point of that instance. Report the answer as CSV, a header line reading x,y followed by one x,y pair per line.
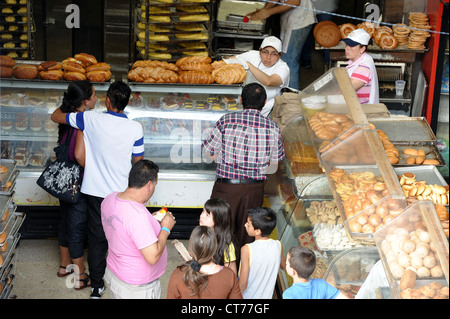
x,y
54,75
3,169
321,23
160,56
345,29
189,27
74,76
197,59
73,66
6,71
192,9
192,36
194,17
195,53
196,77
196,66
86,59
99,75
7,61
152,75
49,65
154,64
368,26
328,35
26,71
230,74
102,66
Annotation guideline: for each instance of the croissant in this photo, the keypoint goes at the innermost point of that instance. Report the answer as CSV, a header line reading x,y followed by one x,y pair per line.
x,y
230,74
196,77
198,59
196,66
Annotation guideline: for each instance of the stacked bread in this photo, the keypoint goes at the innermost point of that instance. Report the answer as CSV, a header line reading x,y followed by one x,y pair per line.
x,y
401,32
327,33
85,66
192,69
6,66
51,70
384,37
417,38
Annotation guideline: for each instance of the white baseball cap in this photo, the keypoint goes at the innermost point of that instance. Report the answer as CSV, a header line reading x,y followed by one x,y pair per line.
x,y
358,36
272,42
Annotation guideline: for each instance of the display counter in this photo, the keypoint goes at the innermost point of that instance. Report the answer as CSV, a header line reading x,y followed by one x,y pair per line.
x,y
175,118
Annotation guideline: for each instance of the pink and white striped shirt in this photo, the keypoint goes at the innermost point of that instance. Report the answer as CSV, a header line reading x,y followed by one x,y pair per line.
x,y
363,69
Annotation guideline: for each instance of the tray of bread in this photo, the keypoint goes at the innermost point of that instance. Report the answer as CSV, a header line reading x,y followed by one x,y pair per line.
x,y
180,14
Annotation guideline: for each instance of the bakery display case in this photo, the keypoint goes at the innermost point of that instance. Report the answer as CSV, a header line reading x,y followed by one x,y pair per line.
x,y
168,30
175,119
415,254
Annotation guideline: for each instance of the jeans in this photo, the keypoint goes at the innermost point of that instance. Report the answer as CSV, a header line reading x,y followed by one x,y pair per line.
x,y
98,244
292,56
73,226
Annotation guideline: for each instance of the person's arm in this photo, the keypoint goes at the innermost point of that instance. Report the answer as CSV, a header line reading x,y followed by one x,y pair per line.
x,y
138,158
80,151
153,252
357,84
263,78
283,260
269,11
232,266
245,268
58,116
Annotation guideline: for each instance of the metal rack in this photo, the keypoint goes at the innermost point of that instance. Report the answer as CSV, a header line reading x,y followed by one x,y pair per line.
x,y
17,30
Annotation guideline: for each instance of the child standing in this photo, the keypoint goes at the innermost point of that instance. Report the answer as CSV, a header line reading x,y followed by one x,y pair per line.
x,y
201,278
301,262
261,259
217,215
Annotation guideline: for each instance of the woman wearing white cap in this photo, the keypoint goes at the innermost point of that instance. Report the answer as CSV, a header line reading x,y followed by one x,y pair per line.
x,y
361,68
267,68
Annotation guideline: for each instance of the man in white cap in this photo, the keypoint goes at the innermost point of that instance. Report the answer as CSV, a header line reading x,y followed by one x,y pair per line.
x,y
361,68
267,68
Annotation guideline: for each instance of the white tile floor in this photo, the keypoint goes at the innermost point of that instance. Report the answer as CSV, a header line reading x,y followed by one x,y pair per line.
x,y
37,262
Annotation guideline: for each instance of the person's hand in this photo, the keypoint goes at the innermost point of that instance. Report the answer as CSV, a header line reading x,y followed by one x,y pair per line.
x,y
259,14
168,221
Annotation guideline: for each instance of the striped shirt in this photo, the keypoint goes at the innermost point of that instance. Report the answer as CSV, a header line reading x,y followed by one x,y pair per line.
x,y
245,143
360,70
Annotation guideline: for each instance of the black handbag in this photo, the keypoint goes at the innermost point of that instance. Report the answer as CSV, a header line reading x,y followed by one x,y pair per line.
x,y
62,178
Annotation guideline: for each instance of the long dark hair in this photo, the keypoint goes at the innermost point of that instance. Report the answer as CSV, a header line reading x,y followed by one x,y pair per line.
x,y
202,247
221,213
76,93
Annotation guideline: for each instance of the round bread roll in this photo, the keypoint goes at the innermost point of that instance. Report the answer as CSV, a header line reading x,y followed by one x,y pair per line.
x,y
99,76
328,35
26,71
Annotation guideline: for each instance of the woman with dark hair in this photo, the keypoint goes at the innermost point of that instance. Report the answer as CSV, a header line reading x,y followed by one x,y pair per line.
x,y
80,95
216,214
202,278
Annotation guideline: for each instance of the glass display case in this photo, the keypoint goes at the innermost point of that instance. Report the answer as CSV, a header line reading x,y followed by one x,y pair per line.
x,y
415,253
175,119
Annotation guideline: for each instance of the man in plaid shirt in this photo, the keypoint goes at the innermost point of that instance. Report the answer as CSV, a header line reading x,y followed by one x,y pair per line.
x,y
246,147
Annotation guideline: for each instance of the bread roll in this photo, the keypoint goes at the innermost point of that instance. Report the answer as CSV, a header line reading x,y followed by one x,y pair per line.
x,y
85,58
430,162
197,59
7,61
54,75
99,76
230,74
6,71
74,76
102,66
49,65
410,151
73,67
26,71
194,66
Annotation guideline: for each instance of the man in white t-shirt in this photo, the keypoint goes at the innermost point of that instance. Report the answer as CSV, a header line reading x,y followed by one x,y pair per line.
x,y
111,142
267,68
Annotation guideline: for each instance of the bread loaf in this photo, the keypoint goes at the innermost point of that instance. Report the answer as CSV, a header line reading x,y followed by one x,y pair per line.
x,y
196,77
154,64
197,59
26,71
102,66
73,66
152,75
86,59
230,74
195,66
49,65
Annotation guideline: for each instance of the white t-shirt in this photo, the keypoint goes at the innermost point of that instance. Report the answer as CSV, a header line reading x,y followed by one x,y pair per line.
x,y
281,68
111,139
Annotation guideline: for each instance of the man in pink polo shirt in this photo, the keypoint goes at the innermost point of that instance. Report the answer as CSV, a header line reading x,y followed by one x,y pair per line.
x,y
137,254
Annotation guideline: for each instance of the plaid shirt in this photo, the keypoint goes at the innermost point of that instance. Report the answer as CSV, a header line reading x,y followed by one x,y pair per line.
x,y
245,142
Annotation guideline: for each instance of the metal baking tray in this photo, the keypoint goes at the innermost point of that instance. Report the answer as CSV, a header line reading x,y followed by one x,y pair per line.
x,y
4,224
427,173
5,201
430,149
11,166
405,129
